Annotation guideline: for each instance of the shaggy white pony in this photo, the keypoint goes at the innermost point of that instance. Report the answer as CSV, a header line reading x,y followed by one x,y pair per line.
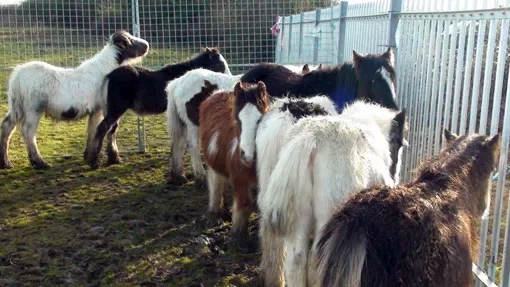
x,y
322,161
64,94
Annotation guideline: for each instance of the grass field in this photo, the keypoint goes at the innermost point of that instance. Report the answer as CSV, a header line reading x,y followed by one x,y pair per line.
x,y
120,225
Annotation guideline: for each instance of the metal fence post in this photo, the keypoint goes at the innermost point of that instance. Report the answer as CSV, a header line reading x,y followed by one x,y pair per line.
x,y
302,19
282,31
316,38
140,121
290,39
341,31
393,18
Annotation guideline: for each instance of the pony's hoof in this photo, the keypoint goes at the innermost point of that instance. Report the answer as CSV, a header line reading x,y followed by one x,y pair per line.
x,y
177,179
93,164
200,183
217,218
85,154
6,165
239,242
114,160
223,214
40,165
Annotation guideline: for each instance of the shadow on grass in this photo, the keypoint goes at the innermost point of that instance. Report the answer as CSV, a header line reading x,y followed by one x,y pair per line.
x,y
118,224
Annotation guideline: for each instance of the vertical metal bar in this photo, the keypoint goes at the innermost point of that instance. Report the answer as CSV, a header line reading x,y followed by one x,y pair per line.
x,y
435,88
416,86
289,48
458,79
393,18
428,87
282,41
341,32
441,95
412,88
487,80
467,77
423,97
316,37
140,122
505,138
302,19
451,67
476,77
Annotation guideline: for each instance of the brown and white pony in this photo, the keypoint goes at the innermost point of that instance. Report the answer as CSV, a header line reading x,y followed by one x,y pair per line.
x,y
219,138
420,233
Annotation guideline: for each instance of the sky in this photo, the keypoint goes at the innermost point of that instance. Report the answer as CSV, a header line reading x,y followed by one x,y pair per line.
x,y
10,1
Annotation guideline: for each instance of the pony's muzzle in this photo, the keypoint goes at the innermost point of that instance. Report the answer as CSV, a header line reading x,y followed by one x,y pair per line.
x,y
142,47
246,160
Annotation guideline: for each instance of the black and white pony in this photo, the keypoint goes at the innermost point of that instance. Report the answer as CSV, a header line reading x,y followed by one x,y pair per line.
x,y
323,159
370,77
143,91
64,94
185,94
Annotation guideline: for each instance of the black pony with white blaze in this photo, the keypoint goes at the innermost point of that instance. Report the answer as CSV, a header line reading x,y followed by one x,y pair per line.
x,y
371,77
64,94
143,91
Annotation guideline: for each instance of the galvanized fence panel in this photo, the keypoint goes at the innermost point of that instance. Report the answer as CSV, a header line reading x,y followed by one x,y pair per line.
x,y
453,73
452,70
65,33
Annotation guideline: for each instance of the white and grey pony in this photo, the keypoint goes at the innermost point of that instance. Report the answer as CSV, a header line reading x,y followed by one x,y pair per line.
x,y
322,160
64,94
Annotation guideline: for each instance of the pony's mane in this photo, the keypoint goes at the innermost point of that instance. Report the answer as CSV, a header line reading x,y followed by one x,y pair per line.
x,y
376,60
332,76
382,116
455,161
189,62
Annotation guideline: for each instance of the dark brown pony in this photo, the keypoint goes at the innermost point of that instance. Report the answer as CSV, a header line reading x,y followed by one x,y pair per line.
x,y
417,234
219,138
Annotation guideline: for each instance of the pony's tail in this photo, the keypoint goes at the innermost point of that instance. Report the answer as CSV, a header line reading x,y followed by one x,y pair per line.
x,y
15,97
340,254
174,123
290,186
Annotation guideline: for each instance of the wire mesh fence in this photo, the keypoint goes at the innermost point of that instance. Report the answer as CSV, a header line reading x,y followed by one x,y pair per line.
x,y
65,32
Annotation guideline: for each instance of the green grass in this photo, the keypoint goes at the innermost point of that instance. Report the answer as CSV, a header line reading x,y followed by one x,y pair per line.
x,y
119,225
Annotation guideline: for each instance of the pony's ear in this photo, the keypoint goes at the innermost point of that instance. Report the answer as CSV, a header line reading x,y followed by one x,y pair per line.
x,y
320,66
207,84
356,58
400,120
388,55
261,87
207,50
449,136
238,88
305,69
494,145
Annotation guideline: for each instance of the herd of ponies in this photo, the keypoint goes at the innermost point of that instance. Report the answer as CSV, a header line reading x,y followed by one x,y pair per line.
x,y
321,149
